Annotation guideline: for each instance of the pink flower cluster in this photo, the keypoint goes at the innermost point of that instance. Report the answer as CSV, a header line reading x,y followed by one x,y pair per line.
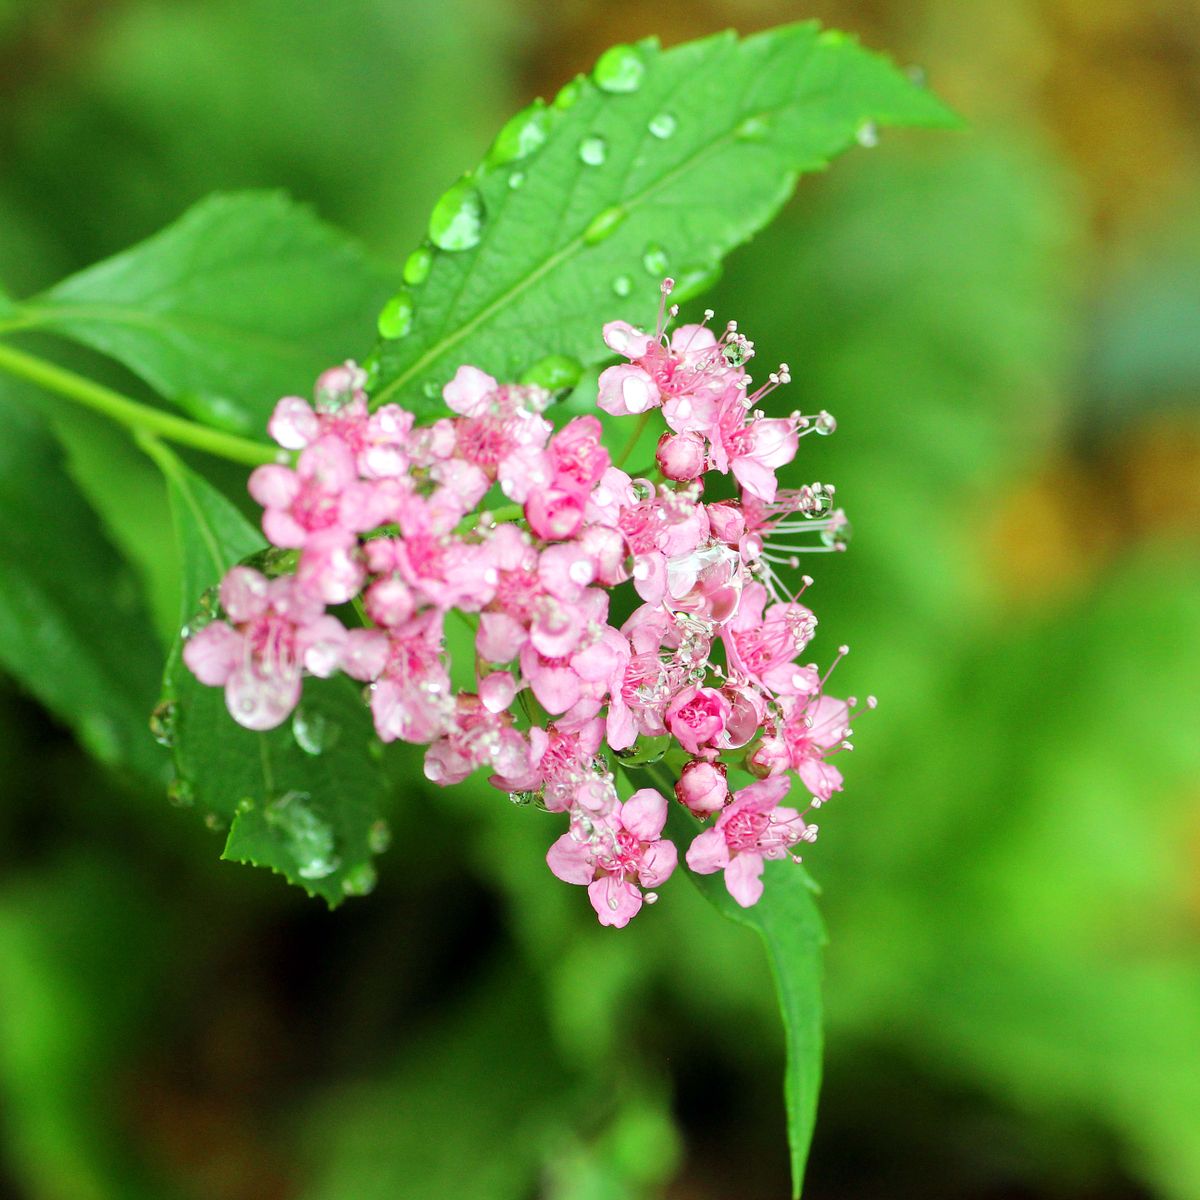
x,y
618,619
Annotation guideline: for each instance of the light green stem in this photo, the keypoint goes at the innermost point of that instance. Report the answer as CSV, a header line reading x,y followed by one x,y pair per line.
x,y
130,413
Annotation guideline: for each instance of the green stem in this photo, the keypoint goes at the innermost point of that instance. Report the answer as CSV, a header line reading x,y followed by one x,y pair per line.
x,y
500,516
634,438
131,413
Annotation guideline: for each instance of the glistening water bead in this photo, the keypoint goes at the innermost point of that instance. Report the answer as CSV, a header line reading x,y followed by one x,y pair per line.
x,y
417,266
654,259
396,316
619,69
593,150
521,135
456,222
663,125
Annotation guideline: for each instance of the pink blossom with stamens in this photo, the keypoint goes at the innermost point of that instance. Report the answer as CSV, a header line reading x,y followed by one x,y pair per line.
x,y
751,830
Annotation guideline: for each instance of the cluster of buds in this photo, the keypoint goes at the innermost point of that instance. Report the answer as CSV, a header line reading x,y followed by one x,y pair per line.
x,y
618,619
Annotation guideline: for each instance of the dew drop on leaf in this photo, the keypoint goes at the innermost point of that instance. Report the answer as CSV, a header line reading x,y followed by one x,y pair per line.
x,y
520,136
555,373
619,69
396,316
516,179
569,93
417,266
313,731
431,389
663,125
162,722
307,836
359,880
622,285
593,150
867,134
456,222
603,224
654,259
752,129
379,837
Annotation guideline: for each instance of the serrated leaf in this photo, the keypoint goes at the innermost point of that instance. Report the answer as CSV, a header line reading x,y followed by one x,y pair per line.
x,y
310,812
73,629
246,297
787,920
618,188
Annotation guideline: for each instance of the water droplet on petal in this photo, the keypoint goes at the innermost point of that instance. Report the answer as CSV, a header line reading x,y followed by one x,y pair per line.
x,y
313,731
603,224
456,222
654,259
162,722
555,373
417,265
521,135
396,316
619,69
360,880
379,837
593,150
622,285
663,125
867,134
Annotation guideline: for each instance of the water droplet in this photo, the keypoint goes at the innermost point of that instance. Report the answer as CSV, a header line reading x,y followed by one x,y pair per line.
x,y
593,150
360,880
396,316
839,538
603,224
313,731
569,93
417,266
521,135
556,373
180,793
645,750
867,134
753,129
619,69
456,222
162,722
379,837
245,804
431,389
824,423
663,125
622,285
654,259
651,897
516,179
307,836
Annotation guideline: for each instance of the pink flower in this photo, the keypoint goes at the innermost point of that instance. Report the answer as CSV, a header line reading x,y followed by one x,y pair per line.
x,y
680,456
753,828
696,717
702,787
277,631
762,646
812,729
612,857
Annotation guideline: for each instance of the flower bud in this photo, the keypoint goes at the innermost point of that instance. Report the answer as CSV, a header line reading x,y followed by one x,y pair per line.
x,y
702,787
680,455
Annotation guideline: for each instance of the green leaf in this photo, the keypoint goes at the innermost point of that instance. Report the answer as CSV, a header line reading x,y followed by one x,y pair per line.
x,y
244,298
787,920
661,167
73,629
303,799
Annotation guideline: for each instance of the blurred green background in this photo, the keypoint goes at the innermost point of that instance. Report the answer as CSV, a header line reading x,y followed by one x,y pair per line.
x,y
1006,322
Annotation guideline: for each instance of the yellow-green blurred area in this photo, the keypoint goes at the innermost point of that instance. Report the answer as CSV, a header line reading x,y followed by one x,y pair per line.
x,y
1006,323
